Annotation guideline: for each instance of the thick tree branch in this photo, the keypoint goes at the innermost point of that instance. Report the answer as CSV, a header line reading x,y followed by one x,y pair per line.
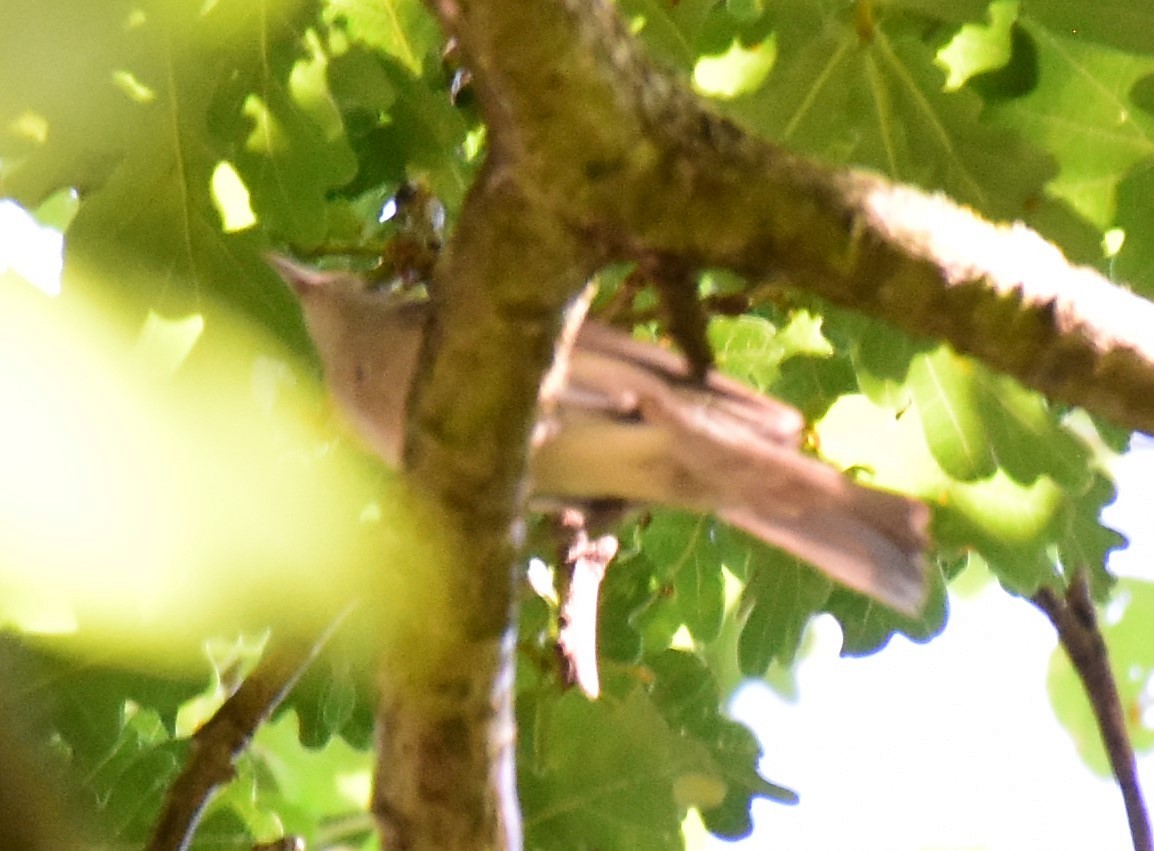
x,y
633,160
1077,625
445,776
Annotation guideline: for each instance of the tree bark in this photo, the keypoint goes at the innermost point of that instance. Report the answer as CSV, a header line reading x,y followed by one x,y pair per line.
x,y
594,155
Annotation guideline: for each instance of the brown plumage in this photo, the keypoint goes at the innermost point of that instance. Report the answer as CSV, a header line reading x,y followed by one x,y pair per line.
x,y
629,426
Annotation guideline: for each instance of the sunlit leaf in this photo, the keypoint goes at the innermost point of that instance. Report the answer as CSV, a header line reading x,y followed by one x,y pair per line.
x,y
1109,136
945,389
878,101
402,29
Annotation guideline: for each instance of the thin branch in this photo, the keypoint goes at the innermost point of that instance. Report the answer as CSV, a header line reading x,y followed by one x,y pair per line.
x,y
217,744
583,565
676,285
1077,624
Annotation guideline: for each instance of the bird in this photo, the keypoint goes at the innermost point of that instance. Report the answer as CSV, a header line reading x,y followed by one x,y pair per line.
x,y
630,425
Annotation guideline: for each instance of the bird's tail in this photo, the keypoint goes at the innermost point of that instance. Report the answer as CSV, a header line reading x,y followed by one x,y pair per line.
x,y
867,539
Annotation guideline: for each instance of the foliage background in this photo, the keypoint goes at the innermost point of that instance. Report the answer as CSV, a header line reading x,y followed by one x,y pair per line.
x,y
164,462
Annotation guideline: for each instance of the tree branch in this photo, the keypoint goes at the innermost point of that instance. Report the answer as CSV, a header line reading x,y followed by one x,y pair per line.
x,y
217,744
640,165
581,566
445,775
1077,625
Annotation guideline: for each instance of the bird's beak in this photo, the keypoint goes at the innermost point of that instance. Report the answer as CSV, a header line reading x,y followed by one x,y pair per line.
x,y
303,279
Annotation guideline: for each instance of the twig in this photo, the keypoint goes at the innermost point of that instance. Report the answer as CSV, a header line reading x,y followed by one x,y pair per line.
x,y
583,564
1077,625
226,735
676,285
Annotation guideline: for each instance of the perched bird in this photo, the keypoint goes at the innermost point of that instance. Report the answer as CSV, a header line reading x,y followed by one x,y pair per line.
x,y
629,425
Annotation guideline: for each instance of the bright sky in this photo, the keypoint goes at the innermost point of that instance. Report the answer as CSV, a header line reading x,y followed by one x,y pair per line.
x,y
949,746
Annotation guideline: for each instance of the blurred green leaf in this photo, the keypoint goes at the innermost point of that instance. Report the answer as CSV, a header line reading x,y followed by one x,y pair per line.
x,y
402,29
309,786
688,554
881,360
137,110
671,31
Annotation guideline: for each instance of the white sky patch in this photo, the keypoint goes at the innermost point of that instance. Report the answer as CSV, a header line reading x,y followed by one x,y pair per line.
x,y
29,249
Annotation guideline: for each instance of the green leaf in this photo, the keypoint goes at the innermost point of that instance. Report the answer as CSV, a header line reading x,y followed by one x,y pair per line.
x,y
82,700
1084,543
881,448
131,780
422,135
879,101
750,348
293,151
955,11
139,111
304,787
779,598
626,592
946,390
737,753
607,773
1025,435
671,31
1109,135
867,627
1010,524
881,361
812,383
1124,24
689,555
592,771
333,699
402,29
686,694
1134,263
